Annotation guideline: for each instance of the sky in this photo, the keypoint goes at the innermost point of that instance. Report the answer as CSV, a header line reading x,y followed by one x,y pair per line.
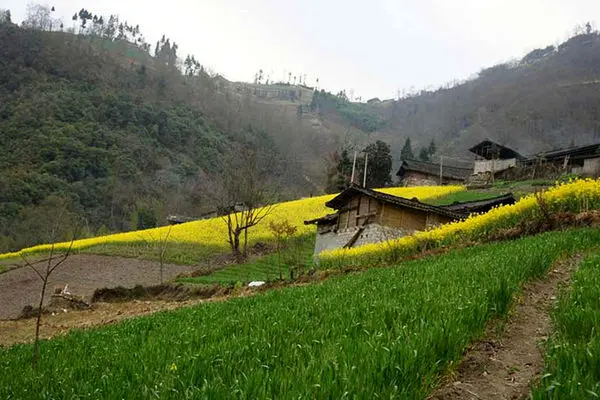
x,y
374,48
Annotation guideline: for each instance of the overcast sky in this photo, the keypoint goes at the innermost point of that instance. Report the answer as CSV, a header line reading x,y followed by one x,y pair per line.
x,y
373,47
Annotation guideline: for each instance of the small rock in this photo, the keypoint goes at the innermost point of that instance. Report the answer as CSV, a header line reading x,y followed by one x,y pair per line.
x,y
256,283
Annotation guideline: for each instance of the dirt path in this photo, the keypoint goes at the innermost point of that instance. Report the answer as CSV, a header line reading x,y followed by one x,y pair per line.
x,y
506,361
23,331
84,274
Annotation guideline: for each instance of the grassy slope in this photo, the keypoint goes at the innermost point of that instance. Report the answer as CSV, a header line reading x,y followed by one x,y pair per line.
x,y
573,359
298,253
385,332
467,195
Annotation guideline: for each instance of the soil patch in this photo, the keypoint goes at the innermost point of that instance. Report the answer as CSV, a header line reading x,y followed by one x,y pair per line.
x,y
84,274
509,358
167,292
61,322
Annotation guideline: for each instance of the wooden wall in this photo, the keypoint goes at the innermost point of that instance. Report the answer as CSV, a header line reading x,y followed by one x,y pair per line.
x,y
362,208
356,211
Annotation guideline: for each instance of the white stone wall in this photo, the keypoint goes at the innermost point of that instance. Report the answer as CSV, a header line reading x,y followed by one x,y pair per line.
x,y
591,167
373,233
482,166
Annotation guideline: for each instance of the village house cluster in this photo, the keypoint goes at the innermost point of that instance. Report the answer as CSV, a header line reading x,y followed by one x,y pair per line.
x,y
365,216
494,161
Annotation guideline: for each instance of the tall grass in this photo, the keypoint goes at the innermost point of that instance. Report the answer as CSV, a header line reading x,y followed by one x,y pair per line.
x,y
383,333
573,358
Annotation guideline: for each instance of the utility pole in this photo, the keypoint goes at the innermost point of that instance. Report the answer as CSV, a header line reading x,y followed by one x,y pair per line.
x,y
441,167
365,175
353,169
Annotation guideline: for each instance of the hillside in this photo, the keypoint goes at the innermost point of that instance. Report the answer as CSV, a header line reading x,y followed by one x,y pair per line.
x,y
547,99
96,127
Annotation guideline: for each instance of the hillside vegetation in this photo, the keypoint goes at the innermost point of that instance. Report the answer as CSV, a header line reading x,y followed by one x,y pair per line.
x,y
96,129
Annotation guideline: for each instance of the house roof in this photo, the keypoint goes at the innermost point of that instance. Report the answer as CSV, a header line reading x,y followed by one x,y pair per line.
x,y
328,219
344,197
448,171
478,206
576,152
492,150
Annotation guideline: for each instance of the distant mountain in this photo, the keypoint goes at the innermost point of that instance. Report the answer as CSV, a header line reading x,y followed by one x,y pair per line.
x,y
550,98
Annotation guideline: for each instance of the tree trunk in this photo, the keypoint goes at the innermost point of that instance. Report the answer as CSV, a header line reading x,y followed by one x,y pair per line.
x,y
37,324
236,246
279,260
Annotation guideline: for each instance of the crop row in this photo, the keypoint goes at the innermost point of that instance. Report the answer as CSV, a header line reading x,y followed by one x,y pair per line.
x,y
383,333
573,358
573,196
212,233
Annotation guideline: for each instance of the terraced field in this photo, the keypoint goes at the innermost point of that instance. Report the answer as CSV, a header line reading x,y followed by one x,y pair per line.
x,y
387,332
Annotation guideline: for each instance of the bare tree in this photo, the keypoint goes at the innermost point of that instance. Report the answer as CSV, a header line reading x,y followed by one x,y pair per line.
x,y
245,197
163,249
40,17
51,264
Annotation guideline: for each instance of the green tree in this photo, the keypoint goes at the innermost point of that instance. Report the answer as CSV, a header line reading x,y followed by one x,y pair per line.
x,y
432,149
344,171
379,164
406,153
423,154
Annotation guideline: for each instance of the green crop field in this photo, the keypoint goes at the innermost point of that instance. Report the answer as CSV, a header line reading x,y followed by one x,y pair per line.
x,y
386,332
573,359
297,254
466,195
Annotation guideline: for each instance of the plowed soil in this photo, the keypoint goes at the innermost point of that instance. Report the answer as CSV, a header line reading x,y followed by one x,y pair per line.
x,y
84,274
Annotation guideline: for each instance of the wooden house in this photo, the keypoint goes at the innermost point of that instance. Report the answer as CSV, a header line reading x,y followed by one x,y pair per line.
x,y
420,173
366,216
583,160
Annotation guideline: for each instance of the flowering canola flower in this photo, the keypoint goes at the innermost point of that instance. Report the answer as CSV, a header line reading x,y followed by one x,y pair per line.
x,y
573,196
213,232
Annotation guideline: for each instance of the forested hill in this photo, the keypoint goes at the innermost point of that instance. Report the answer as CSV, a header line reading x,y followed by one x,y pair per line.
x,y
97,128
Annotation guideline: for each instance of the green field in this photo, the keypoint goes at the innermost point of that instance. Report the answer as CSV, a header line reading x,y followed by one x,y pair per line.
x,y
387,332
298,254
573,359
467,195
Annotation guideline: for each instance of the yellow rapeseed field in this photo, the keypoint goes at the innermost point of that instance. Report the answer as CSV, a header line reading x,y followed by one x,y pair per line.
x,y
574,196
213,232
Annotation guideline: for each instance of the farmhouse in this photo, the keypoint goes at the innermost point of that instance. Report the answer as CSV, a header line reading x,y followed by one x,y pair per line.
x,y
365,216
492,157
420,173
584,160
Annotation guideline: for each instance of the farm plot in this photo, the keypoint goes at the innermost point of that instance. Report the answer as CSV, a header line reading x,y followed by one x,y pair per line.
x,y
386,332
84,274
